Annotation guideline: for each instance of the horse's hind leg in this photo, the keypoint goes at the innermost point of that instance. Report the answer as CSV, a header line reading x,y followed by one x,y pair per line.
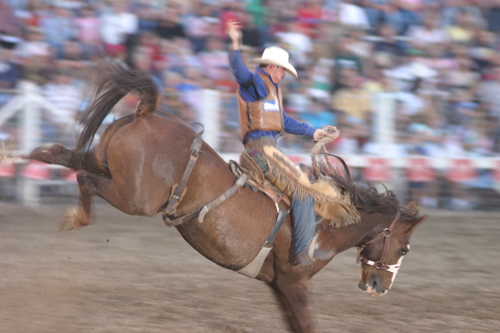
x,y
89,185
295,302
82,215
60,155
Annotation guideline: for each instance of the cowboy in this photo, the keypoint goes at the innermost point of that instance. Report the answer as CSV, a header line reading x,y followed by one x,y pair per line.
x,y
259,91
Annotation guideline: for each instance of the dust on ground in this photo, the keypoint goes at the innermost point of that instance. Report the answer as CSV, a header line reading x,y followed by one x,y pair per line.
x,y
133,274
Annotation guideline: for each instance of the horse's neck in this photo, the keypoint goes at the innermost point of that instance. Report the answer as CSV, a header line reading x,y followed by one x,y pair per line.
x,y
341,239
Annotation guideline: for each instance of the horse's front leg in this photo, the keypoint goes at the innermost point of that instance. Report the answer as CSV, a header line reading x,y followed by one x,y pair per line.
x,y
294,298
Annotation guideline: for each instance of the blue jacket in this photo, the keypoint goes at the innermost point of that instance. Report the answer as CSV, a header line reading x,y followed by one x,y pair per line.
x,y
252,94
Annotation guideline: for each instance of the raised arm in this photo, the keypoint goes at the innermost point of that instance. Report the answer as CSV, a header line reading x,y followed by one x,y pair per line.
x,y
251,86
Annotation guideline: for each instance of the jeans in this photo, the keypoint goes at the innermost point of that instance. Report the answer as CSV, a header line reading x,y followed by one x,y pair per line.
x,y
302,211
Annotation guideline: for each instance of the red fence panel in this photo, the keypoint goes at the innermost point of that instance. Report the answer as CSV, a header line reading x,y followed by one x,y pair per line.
x,y
377,169
420,170
461,170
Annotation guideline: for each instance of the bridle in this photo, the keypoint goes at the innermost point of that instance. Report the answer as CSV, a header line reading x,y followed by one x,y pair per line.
x,y
381,263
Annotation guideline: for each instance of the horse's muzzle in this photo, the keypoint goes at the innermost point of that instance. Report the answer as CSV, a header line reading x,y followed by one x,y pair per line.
x,y
373,286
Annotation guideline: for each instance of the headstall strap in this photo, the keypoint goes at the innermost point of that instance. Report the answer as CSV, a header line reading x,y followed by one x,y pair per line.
x,y
195,152
386,235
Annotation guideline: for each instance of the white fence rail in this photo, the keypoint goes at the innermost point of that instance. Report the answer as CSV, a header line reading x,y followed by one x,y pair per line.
x,y
396,173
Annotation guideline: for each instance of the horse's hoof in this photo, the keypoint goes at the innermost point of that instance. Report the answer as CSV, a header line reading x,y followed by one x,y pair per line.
x,y
47,152
73,220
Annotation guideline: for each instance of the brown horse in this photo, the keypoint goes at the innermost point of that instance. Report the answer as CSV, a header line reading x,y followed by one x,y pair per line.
x,y
141,156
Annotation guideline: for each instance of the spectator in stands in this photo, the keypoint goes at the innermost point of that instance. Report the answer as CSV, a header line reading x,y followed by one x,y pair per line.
x,y
463,76
252,35
10,72
58,27
427,35
88,30
190,88
61,92
9,23
297,43
33,45
411,11
484,50
322,71
359,45
198,27
375,81
143,59
346,62
452,9
299,100
319,114
351,14
308,14
181,55
169,25
117,28
488,92
461,30
72,55
148,14
214,57
150,42
492,15
388,43
354,106
379,11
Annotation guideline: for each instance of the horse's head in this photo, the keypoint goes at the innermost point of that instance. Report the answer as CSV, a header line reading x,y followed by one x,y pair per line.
x,y
381,256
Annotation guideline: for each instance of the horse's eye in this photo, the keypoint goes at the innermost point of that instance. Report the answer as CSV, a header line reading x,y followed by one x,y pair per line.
x,y
404,251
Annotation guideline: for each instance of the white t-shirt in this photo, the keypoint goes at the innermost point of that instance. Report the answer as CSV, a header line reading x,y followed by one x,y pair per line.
x,y
115,27
299,45
353,15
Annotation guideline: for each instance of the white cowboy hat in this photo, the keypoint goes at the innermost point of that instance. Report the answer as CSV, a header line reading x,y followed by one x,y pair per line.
x,y
276,56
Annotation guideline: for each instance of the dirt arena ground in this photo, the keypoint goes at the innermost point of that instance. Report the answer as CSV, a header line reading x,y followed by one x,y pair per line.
x,y
132,274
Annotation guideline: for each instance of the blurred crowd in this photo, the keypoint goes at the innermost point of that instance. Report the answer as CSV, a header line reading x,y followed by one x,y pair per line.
x,y
437,60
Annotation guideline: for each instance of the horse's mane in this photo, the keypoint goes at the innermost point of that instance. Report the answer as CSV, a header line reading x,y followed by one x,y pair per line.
x,y
365,196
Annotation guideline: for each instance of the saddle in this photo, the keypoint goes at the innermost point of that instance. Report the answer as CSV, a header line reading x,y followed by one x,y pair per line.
x,y
256,179
258,182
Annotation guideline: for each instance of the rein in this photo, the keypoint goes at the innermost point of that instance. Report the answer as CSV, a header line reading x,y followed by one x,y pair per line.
x,y
319,149
381,263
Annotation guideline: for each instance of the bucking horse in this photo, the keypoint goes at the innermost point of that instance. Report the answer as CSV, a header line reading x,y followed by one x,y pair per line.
x,y
142,157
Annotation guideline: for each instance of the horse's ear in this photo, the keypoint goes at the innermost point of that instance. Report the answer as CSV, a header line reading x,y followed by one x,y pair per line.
x,y
417,222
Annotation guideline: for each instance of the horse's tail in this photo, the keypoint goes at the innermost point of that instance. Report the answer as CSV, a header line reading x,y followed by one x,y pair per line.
x,y
112,82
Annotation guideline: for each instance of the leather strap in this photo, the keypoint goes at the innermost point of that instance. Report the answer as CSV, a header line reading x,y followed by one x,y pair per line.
x,y
173,221
242,179
386,235
276,226
195,152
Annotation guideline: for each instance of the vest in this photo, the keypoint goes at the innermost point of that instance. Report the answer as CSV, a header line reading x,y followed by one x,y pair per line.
x,y
265,114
